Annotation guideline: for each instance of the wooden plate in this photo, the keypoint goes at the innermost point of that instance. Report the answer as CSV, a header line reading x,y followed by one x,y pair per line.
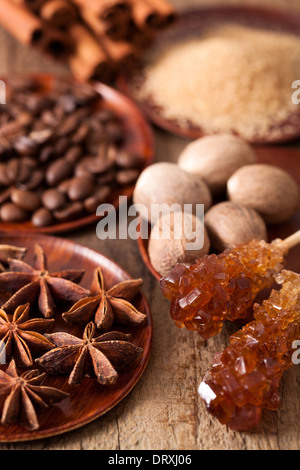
x,y
288,160
190,24
138,140
89,400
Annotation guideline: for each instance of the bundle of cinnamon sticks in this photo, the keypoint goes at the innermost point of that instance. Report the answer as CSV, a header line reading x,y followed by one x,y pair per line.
x,y
97,38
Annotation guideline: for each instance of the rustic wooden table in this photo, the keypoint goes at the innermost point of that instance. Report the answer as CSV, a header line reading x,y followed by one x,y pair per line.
x,y
164,412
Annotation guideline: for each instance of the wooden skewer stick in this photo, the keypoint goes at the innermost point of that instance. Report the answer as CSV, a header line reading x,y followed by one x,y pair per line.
x,y
291,241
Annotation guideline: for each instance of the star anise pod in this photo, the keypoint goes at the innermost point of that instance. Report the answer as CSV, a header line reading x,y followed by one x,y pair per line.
x,y
29,284
106,306
101,356
23,394
23,336
8,251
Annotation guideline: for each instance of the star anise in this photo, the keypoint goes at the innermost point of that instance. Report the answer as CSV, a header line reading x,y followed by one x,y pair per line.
x,y
101,356
7,252
29,284
23,336
23,394
105,307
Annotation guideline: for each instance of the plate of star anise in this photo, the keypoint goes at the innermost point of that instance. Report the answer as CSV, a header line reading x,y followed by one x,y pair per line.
x,y
75,335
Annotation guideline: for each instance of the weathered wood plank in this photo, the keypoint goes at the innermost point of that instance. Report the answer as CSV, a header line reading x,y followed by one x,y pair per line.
x,y
163,411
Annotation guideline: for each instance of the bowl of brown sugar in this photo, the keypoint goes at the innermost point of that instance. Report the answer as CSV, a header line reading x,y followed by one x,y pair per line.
x,y
223,69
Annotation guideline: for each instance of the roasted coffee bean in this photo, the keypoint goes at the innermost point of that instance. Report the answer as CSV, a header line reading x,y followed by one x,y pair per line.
x,y
12,169
24,118
126,177
85,94
107,178
42,218
67,103
58,112
11,129
5,145
105,116
127,160
63,187
49,119
98,128
55,149
115,132
26,146
58,171
61,146
99,197
5,195
42,136
46,154
9,212
3,175
53,199
74,154
26,200
81,134
97,165
71,212
81,168
38,103
34,181
80,188
25,171
69,125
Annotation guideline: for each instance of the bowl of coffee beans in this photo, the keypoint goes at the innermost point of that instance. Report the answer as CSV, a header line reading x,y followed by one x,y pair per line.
x,y
65,149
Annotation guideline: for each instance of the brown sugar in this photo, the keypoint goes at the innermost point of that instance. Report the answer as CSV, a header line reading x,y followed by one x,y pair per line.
x,y
232,77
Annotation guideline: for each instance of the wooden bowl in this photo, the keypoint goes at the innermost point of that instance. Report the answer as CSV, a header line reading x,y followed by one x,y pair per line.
x,y
138,139
190,24
89,400
288,160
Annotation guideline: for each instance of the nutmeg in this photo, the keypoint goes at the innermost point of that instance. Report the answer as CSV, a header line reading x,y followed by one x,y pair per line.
x,y
166,183
230,224
266,188
173,238
215,158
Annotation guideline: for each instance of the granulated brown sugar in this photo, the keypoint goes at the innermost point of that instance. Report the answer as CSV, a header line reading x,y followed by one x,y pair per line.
x,y
232,78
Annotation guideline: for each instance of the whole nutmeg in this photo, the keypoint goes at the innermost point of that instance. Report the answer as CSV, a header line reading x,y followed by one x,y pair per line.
x,y
166,183
230,224
215,158
178,237
266,188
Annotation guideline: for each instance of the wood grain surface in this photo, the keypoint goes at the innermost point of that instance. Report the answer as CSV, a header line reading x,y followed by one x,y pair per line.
x,y
164,411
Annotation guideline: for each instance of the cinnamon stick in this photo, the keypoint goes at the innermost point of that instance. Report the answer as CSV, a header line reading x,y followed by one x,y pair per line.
x,y
59,13
166,11
144,15
107,10
21,23
57,45
29,30
89,59
114,30
123,53
153,14
33,5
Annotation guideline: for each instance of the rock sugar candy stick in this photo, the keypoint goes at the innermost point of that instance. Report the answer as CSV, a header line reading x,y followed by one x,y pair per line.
x,y
245,377
223,287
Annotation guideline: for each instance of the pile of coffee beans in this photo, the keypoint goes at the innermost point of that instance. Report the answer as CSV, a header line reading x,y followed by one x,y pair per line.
x,y
61,152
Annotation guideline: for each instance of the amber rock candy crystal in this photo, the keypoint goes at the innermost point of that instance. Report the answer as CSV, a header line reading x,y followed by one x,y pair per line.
x,y
221,287
245,377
